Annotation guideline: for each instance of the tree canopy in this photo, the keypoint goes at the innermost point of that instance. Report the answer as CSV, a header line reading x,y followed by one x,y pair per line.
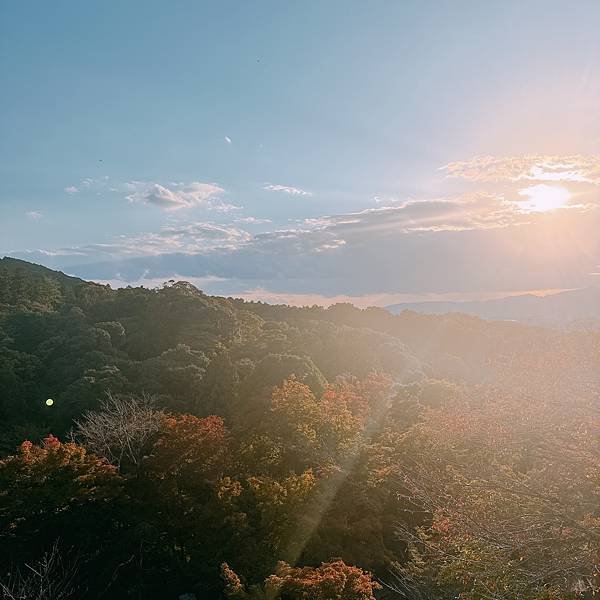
x,y
221,448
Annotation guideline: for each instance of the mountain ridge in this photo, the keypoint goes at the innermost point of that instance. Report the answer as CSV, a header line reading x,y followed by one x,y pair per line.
x,y
562,308
10,264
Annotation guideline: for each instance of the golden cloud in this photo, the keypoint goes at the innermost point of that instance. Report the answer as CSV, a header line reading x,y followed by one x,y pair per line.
x,y
575,168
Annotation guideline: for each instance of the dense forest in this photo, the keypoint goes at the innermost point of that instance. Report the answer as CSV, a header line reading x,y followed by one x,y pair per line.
x,y
162,443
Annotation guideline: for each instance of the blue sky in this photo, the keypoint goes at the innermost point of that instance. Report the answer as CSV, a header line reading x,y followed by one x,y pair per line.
x,y
294,150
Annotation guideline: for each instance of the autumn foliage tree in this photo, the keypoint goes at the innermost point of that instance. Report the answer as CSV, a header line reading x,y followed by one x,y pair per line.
x,y
59,481
54,492
512,491
330,580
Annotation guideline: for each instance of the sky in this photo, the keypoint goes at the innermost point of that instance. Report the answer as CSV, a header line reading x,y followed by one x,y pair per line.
x,y
304,152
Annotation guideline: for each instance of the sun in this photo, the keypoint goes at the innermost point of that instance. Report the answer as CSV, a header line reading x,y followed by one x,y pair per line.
x,y
544,198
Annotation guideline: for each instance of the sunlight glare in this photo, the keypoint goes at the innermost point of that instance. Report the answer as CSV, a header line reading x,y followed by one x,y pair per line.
x,y
544,198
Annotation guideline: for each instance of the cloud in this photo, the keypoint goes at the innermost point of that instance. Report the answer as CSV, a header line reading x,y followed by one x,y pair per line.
x,y
318,222
168,196
337,243
180,239
199,236
472,243
35,215
227,139
574,168
292,191
189,238
253,220
178,195
88,184
477,210
489,240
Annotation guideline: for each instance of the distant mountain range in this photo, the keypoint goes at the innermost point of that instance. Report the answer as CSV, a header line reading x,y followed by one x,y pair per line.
x,y
574,307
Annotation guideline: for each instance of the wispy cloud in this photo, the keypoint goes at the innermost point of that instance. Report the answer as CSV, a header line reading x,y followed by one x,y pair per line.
x,y
332,245
252,220
477,210
176,196
318,222
286,189
34,214
574,168
88,184
189,238
181,239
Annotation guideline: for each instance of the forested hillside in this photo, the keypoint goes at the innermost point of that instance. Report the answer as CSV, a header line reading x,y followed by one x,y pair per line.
x,y
162,442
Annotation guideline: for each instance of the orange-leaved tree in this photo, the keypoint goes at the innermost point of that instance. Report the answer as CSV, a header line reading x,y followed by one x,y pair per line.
x,y
330,580
56,492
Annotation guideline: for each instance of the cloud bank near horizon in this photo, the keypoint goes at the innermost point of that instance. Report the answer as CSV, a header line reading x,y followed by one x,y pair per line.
x,y
491,239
